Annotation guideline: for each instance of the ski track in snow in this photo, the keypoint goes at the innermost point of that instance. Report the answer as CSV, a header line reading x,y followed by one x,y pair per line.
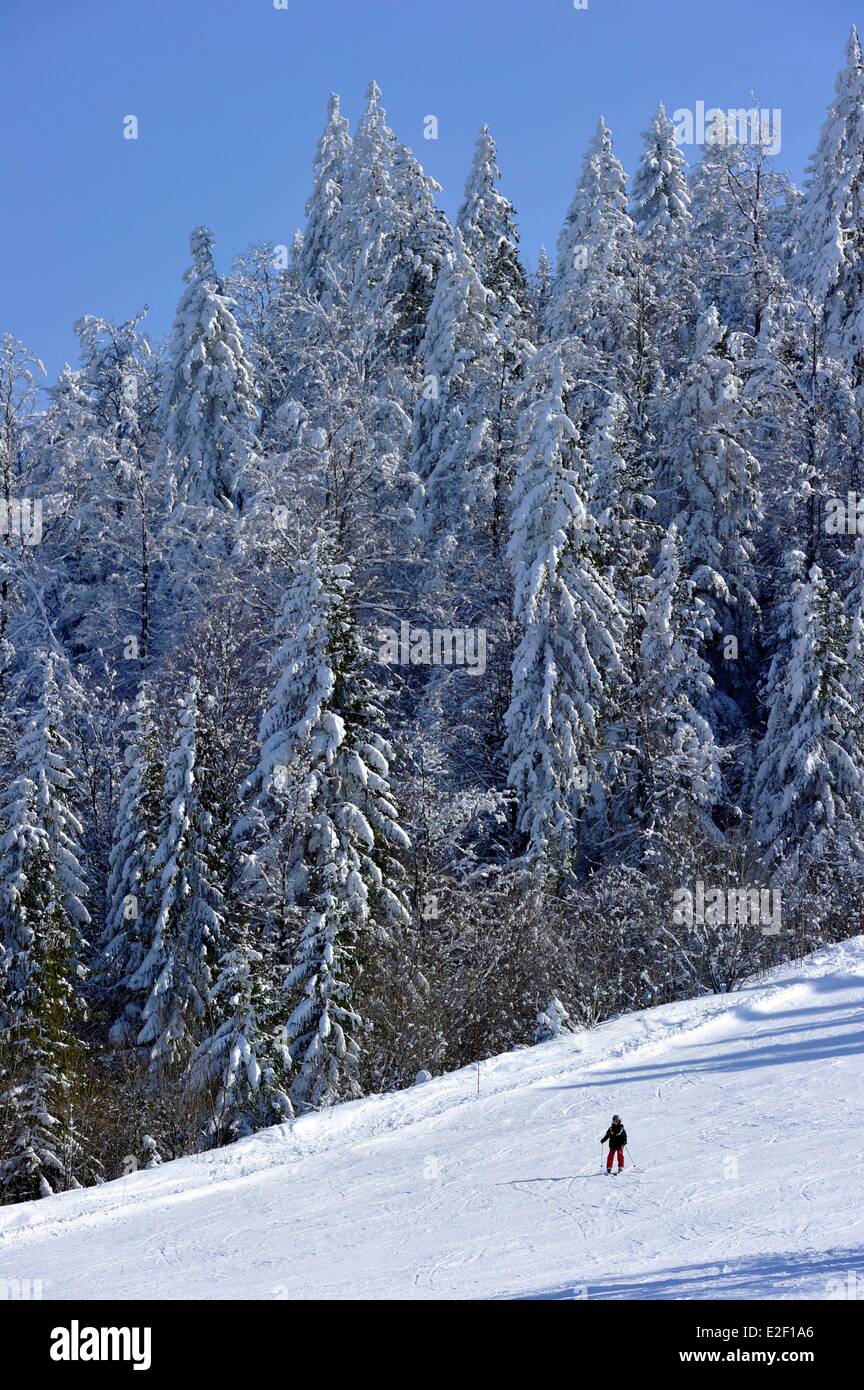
x,y
740,1189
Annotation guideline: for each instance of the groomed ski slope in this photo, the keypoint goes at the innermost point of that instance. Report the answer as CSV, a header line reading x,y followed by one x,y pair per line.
x,y
745,1114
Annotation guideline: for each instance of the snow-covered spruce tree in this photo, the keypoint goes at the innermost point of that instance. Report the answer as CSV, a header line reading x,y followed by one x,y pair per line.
x,y
367,201
660,198
602,298
462,459
660,207
419,240
390,238
42,917
830,262
854,614
234,1076
541,290
716,481
129,909
19,395
177,971
487,222
20,385
95,444
245,1058
487,225
854,606
209,406
269,829
460,496
318,270
568,662
678,759
808,790
325,767
62,439
623,503
62,432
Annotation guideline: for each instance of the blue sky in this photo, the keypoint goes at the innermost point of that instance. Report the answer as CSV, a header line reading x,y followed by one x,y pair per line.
x,y
230,96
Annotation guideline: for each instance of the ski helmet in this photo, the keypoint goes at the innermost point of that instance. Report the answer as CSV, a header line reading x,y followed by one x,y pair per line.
x,y
616,1119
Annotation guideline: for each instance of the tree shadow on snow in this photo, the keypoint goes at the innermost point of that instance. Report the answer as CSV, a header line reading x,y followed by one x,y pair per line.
x,y
822,1048
821,1274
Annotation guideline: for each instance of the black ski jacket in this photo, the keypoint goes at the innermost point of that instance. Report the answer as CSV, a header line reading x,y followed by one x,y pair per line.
x,y
617,1136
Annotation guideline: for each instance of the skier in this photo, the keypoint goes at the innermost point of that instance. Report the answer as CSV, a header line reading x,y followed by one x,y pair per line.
x,y
617,1136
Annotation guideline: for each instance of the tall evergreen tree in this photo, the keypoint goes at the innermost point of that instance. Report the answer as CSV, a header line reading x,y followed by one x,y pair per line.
x,y
177,971
487,223
622,500
318,269
602,298
808,790
716,481
245,1056
42,917
831,251
568,661
661,211
541,289
460,495
390,239
805,429
130,897
324,759
209,403
679,775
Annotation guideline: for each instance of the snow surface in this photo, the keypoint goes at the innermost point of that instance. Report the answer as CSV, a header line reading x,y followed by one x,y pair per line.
x,y
746,1119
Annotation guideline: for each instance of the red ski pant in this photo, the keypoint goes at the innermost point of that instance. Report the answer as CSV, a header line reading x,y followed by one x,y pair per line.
x,y
612,1153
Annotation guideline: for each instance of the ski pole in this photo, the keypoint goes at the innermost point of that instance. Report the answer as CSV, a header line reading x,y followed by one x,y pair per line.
x,y
632,1160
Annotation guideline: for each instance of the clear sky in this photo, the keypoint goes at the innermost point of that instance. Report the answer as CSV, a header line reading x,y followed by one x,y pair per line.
x,y
230,96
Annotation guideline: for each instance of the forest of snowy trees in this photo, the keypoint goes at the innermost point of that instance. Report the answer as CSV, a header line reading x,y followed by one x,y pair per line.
x,y
383,653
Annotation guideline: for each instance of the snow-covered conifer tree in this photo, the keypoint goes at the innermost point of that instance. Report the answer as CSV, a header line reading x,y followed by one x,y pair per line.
x,y
716,480
541,289
568,661
325,767
209,405
42,917
660,196
95,445
661,211
130,906
602,298
487,222
317,266
245,1057
622,498
808,789
390,238
831,257
679,778
455,454
177,971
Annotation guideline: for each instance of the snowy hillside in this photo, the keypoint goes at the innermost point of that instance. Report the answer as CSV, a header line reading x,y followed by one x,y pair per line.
x,y
746,1117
